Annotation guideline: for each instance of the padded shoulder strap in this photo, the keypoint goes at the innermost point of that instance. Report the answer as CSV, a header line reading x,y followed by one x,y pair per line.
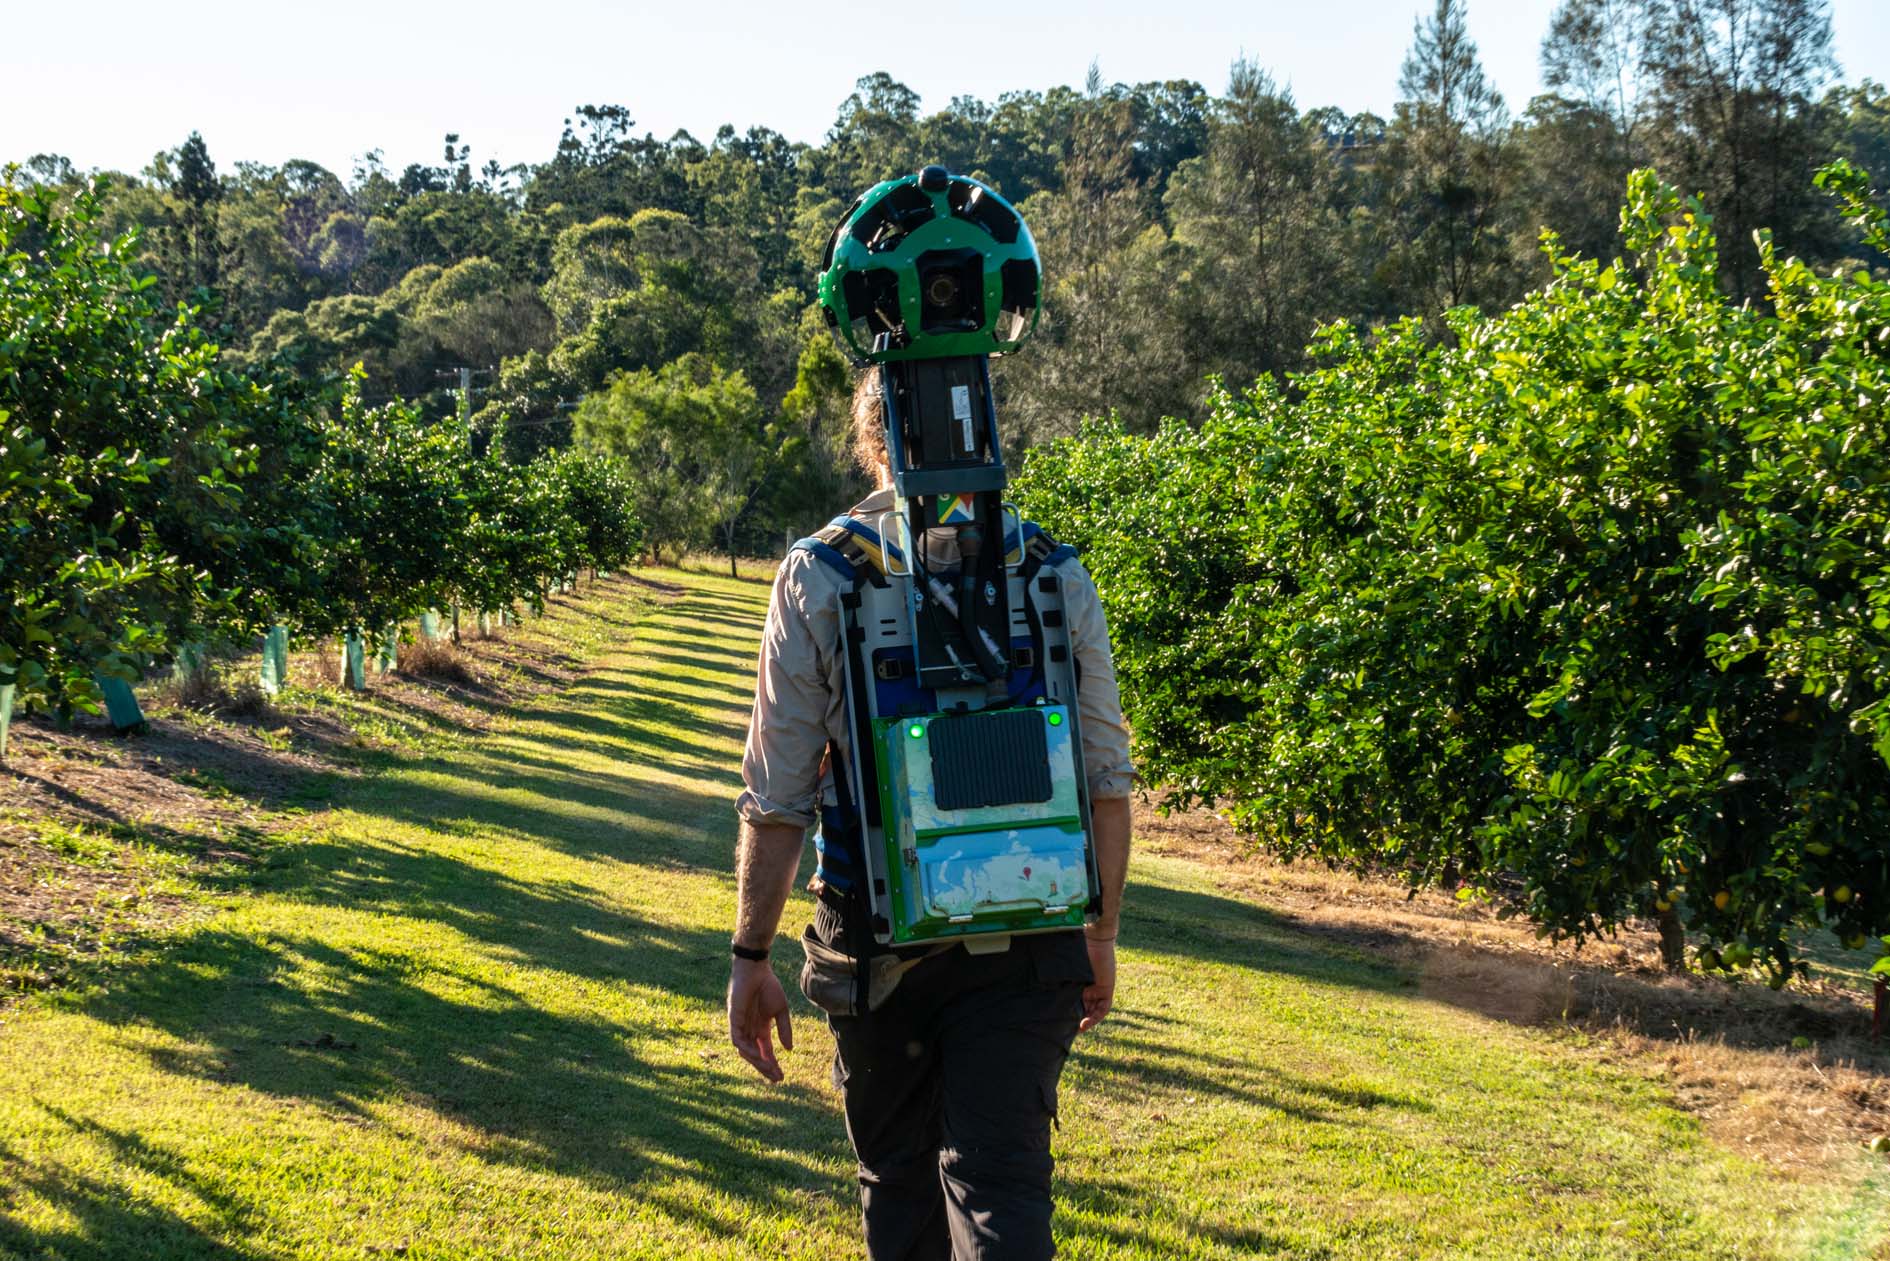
x,y
851,548
1031,549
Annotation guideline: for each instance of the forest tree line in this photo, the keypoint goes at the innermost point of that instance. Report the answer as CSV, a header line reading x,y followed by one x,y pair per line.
x,y
654,297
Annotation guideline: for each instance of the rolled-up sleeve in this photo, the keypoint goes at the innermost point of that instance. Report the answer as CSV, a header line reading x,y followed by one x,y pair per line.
x,y
787,733
1098,699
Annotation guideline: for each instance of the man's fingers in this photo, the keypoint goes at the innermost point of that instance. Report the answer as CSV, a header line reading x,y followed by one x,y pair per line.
x,y
765,1049
786,1027
759,1055
748,1032
1096,1005
766,1067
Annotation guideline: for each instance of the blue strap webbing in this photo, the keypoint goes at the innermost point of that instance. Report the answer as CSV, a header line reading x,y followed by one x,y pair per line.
x,y
830,554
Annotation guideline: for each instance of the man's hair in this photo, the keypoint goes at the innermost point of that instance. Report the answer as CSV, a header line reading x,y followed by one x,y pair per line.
x,y
866,440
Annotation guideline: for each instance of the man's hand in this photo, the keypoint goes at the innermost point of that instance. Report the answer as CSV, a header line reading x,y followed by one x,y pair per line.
x,y
1100,994
755,1001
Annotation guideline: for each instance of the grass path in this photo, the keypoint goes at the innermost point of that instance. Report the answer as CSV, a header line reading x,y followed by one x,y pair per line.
x,y
477,1014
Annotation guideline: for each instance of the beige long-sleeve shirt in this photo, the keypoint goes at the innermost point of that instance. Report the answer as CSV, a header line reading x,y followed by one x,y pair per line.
x,y
800,689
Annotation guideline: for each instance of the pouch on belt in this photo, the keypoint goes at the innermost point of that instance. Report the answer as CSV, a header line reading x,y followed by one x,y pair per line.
x,y
831,978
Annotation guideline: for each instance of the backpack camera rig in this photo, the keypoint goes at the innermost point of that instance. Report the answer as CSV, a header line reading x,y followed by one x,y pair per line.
x,y
961,696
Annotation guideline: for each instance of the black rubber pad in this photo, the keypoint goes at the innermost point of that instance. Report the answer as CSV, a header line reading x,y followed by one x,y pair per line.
x,y
995,759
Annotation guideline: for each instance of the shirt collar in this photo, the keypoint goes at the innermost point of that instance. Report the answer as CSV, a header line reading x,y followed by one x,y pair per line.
x,y
877,502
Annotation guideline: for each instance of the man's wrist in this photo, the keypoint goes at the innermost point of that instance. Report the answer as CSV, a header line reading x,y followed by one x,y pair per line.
x,y
748,954
1100,932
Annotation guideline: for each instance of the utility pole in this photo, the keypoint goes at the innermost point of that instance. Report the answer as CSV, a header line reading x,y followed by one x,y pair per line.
x,y
466,390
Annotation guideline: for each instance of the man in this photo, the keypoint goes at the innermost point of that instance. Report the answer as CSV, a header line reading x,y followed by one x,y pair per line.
x,y
950,1085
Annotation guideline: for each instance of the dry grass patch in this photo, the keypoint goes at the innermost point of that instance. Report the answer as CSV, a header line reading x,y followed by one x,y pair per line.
x,y
438,659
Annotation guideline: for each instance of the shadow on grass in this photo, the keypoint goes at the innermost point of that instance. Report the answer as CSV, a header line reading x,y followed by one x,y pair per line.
x,y
1136,1070
346,1028
580,1094
1125,1211
1220,929
107,1225
343,1027
1525,989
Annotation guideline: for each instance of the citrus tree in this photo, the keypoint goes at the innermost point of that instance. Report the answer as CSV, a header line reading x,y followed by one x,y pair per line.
x,y
1588,606
92,374
392,492
598,492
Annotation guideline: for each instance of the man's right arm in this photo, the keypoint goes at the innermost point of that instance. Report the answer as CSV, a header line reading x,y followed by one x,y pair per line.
x,y
781,781
766,857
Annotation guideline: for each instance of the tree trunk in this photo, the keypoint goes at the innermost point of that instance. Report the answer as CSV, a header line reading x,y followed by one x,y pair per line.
x,y
1673,940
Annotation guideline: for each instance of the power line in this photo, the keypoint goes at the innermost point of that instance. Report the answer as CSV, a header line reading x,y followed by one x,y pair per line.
x,y
466,390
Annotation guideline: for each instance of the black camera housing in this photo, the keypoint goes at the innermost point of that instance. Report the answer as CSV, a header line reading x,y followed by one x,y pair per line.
x,y
951,291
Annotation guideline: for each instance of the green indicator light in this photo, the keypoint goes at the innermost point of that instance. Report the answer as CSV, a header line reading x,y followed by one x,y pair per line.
x,y
1056,720
916,730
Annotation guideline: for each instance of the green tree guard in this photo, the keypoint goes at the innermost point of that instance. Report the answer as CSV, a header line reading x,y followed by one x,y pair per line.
x,y
275,660
389,655
121,706
188,664
353,662
6,716
430,624
485,624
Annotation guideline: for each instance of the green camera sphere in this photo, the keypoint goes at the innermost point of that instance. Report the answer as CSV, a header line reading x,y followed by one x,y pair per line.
x,y
929,266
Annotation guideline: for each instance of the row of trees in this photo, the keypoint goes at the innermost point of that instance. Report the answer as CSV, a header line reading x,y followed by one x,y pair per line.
x,y
153,496
1185,233
1588,606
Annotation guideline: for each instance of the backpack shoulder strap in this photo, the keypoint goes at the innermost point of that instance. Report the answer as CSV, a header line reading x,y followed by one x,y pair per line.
x,y
1030,549
851,548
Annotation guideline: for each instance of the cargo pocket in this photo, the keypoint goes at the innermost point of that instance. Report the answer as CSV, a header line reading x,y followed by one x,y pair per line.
x,y
829,979
1060,959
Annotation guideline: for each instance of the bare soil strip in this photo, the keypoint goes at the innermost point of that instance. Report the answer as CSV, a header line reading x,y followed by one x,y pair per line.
x,y
1790,1077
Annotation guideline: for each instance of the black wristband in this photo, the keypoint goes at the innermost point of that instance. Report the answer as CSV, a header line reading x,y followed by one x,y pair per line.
x,y
748,952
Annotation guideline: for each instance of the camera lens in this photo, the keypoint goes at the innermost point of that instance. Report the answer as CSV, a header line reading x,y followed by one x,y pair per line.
x,y
941,289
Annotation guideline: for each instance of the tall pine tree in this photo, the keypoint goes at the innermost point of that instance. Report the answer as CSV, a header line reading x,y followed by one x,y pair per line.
x,y
1446,157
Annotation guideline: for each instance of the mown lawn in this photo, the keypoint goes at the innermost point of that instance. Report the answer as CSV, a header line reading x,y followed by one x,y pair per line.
x,y
476,1013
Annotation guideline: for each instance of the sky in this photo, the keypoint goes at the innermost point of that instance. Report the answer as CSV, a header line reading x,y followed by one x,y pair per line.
x,y
110,83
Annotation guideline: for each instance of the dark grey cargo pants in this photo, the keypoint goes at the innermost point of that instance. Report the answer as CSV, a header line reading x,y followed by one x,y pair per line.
x,y
951,1090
